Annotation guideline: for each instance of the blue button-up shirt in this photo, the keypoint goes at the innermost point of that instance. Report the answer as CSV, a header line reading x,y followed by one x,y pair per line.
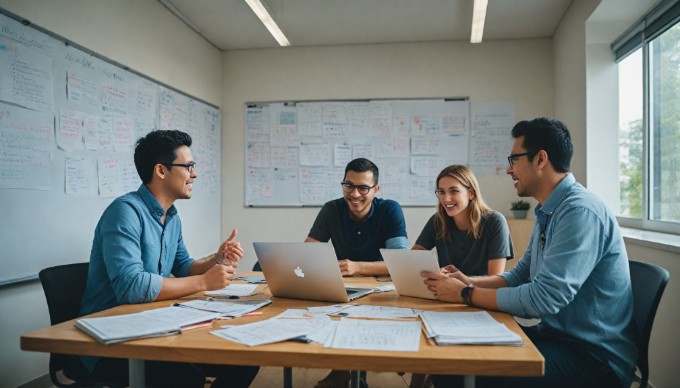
x,y
575,276
132,252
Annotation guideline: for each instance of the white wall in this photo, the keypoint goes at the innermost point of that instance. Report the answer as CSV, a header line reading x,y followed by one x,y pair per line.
x,y
143,35
602,121
508,70
570,79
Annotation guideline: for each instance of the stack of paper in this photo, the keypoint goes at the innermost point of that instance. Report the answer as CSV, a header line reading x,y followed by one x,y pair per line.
x,y
226,309
150,323
272,330
476,328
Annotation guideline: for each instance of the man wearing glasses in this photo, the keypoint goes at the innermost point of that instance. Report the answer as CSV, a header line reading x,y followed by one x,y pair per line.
x,y
359,224
574,274
138,245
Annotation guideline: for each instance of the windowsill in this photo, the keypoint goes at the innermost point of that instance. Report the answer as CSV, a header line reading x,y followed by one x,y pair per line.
x,y
663,241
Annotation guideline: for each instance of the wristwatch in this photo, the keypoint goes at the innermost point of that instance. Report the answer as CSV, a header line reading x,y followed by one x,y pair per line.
x,y
466,294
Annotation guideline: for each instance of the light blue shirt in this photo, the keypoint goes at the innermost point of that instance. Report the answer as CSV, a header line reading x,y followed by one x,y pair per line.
x,y
575,277
132,252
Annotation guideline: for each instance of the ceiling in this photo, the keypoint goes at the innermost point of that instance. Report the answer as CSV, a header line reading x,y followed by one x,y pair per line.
x,y
231,24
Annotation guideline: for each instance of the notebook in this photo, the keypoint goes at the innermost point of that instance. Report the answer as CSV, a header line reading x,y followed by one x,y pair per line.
x,y
405,267
301,270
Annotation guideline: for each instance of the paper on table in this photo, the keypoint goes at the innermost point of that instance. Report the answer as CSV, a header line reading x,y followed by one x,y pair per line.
x,y
376,335
377,312
150,323
270,330
332,309
450,328
384,288
234,290
230,309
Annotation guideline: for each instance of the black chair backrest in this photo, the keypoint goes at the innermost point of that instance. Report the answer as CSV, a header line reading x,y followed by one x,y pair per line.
x,y
64,286
256,267
648,282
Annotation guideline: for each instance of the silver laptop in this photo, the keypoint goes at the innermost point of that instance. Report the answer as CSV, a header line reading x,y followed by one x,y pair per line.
x,y
405,267
304,271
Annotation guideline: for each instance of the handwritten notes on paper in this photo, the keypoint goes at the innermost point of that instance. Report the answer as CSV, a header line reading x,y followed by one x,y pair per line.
x,y
62,109
296,152
26,139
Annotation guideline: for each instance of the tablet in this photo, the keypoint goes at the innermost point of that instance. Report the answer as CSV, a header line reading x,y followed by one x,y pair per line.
x,y
405,267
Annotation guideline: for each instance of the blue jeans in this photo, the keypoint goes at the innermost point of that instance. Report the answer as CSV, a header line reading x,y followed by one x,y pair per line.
x,y
567,364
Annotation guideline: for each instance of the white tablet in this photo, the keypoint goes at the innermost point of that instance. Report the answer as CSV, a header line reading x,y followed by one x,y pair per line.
x,y
405,267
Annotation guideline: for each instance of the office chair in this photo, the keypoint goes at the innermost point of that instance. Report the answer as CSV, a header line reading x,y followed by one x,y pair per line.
x,y
256,267
64,286
648,282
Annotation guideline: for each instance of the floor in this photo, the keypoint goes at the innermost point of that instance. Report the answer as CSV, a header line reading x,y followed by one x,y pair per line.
x,y
272,377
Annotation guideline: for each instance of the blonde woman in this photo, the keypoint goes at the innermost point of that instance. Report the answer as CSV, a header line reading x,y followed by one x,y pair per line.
x,y
466,232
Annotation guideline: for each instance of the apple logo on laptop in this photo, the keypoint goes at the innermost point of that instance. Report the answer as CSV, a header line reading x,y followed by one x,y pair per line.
x,y
298,272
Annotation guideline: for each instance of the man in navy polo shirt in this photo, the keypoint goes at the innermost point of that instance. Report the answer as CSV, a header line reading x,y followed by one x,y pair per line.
x,y
359,224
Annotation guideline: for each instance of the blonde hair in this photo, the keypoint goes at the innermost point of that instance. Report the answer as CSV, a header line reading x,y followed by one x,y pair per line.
x,y
477,207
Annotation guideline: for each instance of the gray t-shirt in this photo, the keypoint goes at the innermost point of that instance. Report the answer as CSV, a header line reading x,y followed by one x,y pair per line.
x,y
462,250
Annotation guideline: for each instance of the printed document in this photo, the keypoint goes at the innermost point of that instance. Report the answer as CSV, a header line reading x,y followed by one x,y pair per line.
x,y
467,328
227,309
150,323
362,334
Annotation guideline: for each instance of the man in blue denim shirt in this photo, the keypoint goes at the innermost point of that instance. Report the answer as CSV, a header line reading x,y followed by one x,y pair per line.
x,y
574,274
138,245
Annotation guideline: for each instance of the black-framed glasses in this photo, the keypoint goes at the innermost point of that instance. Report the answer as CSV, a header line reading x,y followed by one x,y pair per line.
x,y
513,157
349,187
191,166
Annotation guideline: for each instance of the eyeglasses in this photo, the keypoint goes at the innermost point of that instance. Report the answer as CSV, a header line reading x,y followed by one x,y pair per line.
x,y
513,157
348,187
191,166
441,193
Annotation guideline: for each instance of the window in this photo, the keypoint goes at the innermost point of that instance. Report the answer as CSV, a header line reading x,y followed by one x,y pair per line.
x,y
664,147
648,58
630,135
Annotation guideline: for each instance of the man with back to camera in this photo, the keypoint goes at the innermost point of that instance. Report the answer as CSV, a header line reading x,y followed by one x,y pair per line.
x,y
138,245
358,225
574,274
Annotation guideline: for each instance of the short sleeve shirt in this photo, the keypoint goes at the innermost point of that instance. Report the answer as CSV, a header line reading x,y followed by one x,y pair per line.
x,y
359,240
468,254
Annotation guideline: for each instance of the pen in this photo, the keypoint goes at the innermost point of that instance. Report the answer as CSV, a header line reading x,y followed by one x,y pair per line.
x,y
253,314
302,338
224,296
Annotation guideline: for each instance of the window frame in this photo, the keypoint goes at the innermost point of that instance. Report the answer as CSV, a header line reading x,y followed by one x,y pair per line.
x,y
653,24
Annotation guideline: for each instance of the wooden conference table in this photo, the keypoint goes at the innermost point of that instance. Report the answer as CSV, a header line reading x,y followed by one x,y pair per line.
x,y
200,346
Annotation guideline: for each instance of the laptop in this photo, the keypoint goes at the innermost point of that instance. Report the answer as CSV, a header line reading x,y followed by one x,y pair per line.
x,y
308,271
405,266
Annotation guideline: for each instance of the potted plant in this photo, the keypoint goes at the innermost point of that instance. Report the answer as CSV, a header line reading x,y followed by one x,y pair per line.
x,y
519,208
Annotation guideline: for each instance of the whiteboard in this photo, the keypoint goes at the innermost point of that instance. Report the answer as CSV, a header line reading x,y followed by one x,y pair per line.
x,y
296,151
69,120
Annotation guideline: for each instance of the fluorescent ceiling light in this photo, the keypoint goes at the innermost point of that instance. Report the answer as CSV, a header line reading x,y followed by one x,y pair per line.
x,y
265,17
478,16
